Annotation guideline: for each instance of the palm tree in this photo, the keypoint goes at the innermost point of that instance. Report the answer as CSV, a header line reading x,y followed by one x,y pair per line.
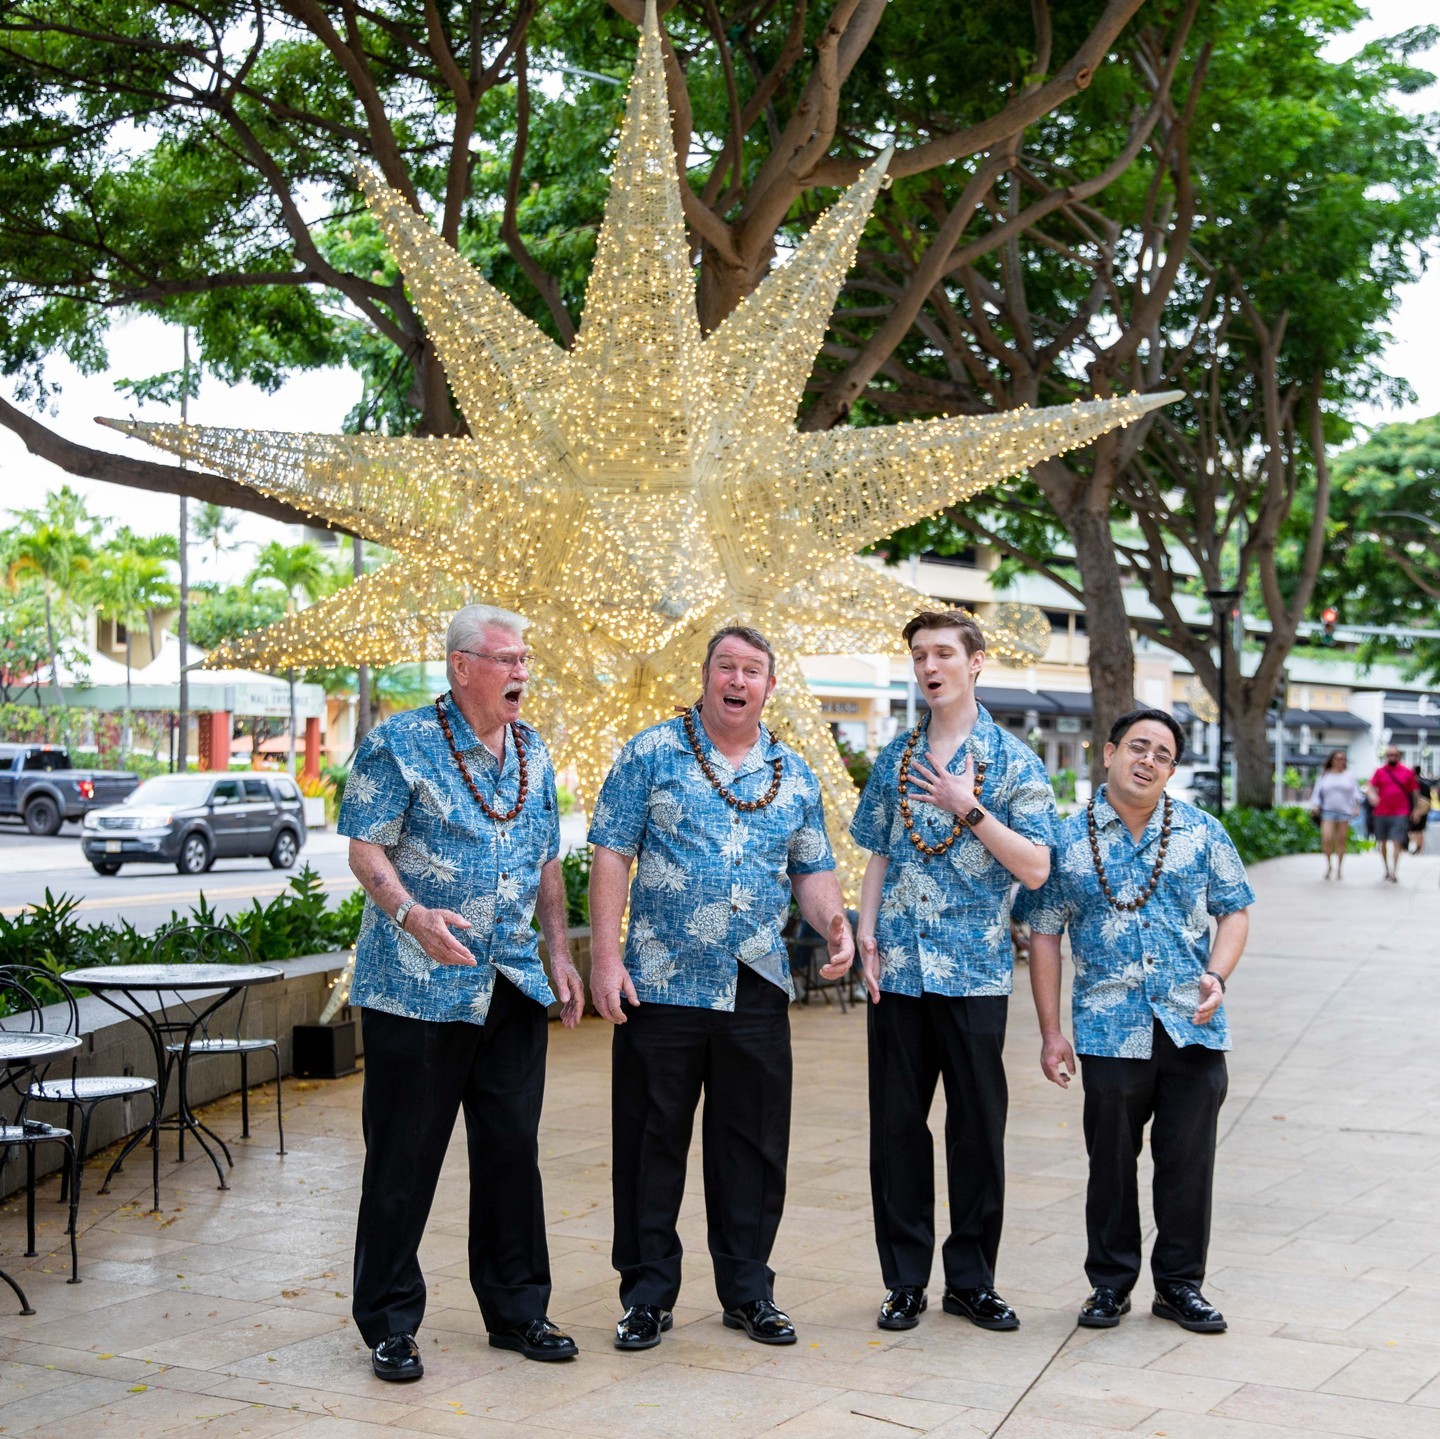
x,y
59,555
213,525
127,586
299,570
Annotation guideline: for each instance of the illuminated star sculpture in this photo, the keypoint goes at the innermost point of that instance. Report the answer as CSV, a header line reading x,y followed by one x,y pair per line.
x,y
634,494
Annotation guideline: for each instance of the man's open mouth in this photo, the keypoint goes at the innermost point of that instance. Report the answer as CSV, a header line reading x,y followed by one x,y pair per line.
x,y
933,685
734,702
514,693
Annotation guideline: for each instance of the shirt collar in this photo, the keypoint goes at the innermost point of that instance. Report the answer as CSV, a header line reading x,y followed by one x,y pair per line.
x,y
761,753
469,744
1105,816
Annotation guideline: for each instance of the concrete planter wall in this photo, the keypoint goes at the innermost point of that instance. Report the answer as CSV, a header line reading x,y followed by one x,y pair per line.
x,y
118,1046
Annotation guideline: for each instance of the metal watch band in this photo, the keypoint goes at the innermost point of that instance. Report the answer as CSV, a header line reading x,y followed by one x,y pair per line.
x,y
402,912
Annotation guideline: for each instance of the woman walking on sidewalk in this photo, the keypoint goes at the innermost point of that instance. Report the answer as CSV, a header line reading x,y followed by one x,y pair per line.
x,y
1335,801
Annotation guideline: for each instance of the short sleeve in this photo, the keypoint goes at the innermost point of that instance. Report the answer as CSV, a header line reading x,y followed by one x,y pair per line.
x,y
1047,910
1031,802
619,816
874,814
377,796
809,850
1226,890
552,801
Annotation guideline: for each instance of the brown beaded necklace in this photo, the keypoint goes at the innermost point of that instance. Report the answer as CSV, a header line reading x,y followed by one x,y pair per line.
x,y
902,783
748,805
465,769
1129,904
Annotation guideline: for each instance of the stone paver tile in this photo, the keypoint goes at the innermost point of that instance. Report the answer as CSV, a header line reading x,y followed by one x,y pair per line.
x,y
1048,1426
715,1405
220,1346
151,1319
1142,1388
23,1381
1138,1340
1256,1359
255,1421
1177,1425
62,1412
1413,1313
372,1406
873,1416
1328,1413
1249,1291
145,1412
1397,1374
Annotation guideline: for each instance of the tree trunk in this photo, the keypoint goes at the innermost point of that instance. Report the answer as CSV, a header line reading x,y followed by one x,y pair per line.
x,y
1112,657
125,736
362,672
54,656
1254,763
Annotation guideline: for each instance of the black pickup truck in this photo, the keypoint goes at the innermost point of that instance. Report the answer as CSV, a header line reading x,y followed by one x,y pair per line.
x,y
38,786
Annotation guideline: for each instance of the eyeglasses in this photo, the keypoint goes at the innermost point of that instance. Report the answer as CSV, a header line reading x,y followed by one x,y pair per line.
x,y
508,659
1140,748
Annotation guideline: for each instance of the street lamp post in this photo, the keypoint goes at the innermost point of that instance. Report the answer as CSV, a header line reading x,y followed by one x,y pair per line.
x,y
1222,602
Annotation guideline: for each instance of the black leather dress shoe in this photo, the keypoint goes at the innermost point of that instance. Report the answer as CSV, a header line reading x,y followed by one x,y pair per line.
x,y
397,1358
983,1307
535,1339
1102,1310
642,1326
762,1321
902,1307
1185,1305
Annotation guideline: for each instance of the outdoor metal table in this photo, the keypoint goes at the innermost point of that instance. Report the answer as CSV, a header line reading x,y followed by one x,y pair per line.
x,y
22,1051
124,988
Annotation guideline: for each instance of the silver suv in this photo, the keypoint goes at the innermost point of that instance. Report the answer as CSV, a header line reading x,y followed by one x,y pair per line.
x,y
191,820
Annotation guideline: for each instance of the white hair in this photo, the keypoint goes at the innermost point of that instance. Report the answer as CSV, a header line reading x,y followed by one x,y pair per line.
x,y
465,630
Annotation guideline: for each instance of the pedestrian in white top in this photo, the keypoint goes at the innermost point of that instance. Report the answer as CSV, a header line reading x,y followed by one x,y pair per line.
x,y
1335,801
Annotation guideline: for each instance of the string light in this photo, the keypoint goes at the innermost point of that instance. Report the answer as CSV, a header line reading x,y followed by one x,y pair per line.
x,y
636,493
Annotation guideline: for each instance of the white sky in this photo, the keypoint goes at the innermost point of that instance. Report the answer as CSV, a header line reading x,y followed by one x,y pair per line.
x,y
318,401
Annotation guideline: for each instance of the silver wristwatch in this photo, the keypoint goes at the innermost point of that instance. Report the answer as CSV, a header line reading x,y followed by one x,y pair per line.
x,y
402,911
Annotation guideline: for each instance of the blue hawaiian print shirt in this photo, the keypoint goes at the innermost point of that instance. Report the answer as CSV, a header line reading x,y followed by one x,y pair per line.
x,y
712,883
944,921
406,792
1135,966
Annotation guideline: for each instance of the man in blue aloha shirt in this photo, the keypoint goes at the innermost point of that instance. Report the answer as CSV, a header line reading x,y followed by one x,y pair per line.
x,y
722,823
454,835
1138,877
954,812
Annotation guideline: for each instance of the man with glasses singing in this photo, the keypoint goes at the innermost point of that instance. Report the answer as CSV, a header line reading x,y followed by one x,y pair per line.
x,y
455,837
1137,879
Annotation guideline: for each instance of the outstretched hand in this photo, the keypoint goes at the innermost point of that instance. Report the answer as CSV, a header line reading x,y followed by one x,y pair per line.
x,y
840,946
610,982
1057,1060
431,929
870,966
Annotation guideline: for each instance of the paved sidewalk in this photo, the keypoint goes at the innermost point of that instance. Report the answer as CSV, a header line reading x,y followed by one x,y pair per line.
x,y
228,1313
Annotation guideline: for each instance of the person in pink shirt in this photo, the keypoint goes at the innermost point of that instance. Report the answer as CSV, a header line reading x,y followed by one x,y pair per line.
x,y
1393,788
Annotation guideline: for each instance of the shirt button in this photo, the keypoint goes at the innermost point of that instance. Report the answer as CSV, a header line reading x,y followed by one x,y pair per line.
x,y
734,819
737,864
734,909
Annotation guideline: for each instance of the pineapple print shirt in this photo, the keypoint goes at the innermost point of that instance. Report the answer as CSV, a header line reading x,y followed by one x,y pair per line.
x,y
1135,966
944,920
712,883
406,792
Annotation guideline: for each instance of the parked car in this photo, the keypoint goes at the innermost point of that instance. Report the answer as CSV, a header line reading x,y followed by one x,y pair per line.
x,y
38,784
191,820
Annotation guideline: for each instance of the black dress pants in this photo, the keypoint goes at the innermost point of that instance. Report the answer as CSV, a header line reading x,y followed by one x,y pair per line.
x,y
418,1073
1181,1088
664,1057
914,1041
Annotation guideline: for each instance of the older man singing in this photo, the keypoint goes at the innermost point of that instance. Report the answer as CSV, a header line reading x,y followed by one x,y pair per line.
x,y
454,835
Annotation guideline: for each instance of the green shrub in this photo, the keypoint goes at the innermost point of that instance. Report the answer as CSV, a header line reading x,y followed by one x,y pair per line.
x,y
576,868
1267,833
297,921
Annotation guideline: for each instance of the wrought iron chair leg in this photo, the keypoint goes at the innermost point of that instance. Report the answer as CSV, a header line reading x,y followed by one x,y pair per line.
x,y
155,1146
72,1155
25,1307
279,1108
244,1095
29,1201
